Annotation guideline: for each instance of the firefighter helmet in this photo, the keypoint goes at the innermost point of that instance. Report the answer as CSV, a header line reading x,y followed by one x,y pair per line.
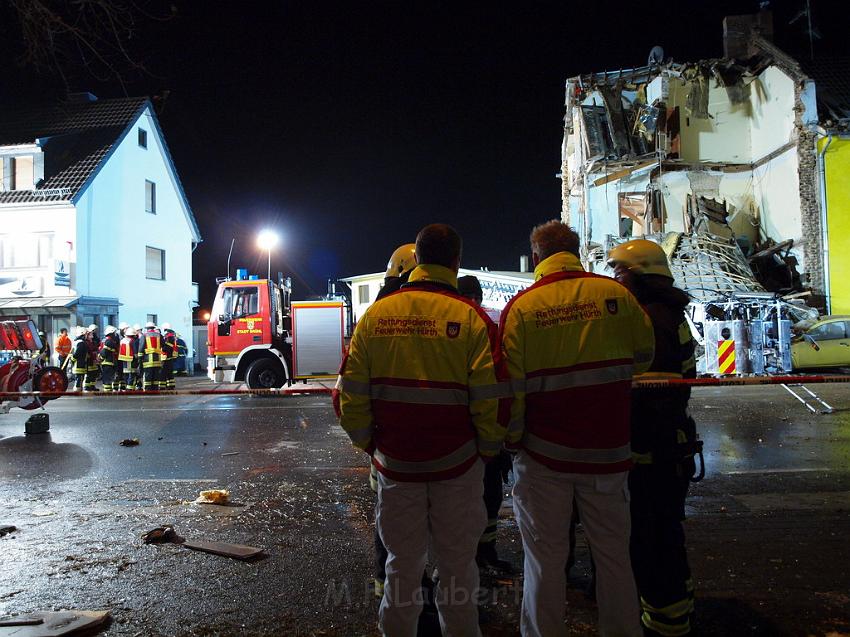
x,y
136,327
129,332
110,329
150,325
79,331
123,325
92,328
166,326
641,256
402,260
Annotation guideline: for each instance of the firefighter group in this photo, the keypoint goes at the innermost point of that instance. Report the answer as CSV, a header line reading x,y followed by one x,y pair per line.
x,y
127,358
444,402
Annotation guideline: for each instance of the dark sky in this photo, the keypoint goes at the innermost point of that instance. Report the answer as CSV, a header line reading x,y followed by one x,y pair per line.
x,y
347,126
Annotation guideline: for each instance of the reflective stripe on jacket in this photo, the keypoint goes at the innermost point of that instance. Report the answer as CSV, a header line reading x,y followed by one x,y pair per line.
x,y
127,349
573,340
423,387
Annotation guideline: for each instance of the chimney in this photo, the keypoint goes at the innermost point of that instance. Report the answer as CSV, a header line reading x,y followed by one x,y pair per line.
x,y
523,263
738,30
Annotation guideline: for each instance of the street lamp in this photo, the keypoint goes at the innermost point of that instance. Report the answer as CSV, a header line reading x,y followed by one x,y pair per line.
x,y
266,240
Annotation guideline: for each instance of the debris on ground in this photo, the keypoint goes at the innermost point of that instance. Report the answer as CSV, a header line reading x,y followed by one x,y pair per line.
x,y
54,624
129,442
166,534
213,496
5,529
230,453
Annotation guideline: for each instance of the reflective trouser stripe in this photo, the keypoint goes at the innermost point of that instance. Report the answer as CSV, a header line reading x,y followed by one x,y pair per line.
x,y
449,461
571,454
671,621
496,390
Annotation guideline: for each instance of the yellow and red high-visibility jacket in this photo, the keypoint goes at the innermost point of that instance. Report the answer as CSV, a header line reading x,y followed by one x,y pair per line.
x,y
423,387
573,340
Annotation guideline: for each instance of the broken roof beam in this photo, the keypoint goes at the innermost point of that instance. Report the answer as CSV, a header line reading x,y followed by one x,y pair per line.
x,y
625,172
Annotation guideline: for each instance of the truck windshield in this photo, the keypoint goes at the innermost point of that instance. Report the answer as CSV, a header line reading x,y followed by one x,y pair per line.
x,y
241,301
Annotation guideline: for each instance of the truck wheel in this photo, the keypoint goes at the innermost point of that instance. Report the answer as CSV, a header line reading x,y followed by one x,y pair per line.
x,y
265,374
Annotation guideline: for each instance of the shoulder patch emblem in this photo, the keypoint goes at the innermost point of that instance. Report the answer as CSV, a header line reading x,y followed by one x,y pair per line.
x,y
612,306
452,329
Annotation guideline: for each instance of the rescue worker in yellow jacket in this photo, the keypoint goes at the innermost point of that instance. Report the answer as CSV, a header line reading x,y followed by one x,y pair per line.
x,y
572,342
664,443
424,391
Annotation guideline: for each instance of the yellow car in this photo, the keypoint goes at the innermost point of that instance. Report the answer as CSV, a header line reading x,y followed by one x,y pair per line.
x,y
824,344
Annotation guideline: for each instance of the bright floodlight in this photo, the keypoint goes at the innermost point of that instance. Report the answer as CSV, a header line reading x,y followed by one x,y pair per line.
x,y
267,239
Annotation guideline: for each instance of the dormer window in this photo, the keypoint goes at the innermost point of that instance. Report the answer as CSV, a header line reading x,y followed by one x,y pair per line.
x,y
143,138
16,173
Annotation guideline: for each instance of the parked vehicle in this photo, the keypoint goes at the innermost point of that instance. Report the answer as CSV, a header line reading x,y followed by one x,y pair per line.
x,y
257,335
823,345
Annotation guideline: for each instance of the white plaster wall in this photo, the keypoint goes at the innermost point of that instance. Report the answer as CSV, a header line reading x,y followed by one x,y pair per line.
x,y
777,194
723,138
60,220
772,106
113,230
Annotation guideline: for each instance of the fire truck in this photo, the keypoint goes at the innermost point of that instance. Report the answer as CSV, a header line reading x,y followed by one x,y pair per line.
x,y
257,335
20,368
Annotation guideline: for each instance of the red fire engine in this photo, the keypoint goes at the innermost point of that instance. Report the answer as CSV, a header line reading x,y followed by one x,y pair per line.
x,y
259,336
22,371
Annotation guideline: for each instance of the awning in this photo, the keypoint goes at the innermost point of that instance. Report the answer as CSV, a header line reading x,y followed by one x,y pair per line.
x,y
40,304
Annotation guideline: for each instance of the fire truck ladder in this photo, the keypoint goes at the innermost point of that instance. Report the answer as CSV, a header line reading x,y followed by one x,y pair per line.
x,y
812,396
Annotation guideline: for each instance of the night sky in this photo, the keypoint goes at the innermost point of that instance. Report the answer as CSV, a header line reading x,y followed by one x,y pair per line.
x,y
347,126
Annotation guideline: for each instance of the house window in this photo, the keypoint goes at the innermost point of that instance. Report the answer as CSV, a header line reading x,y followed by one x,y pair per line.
x,y
26,250
21,173
143,138
154,263
150,197
363,293
151,319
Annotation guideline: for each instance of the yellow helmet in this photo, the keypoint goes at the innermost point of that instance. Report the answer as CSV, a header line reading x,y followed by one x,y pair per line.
x,y
641,256
402,260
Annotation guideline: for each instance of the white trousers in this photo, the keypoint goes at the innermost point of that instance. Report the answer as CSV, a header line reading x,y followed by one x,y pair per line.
x,y
543,501
448,514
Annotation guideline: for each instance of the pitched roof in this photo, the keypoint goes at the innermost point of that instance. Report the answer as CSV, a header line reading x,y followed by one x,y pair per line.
x,y
76,136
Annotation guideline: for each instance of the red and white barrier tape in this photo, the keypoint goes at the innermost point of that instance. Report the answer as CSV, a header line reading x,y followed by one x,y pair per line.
x,y
294,390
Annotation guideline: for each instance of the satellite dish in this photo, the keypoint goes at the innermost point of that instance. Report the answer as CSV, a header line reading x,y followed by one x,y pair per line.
x,y
656,56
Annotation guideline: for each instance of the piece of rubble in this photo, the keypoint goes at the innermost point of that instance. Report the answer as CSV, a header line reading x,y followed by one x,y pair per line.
x,y
167,534
213,496
5,529
129,442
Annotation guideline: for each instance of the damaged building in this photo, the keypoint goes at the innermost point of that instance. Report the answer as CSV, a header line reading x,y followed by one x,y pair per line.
x,y
739,166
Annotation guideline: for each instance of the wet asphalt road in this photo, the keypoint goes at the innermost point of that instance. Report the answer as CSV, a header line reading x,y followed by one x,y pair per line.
x,y
769,528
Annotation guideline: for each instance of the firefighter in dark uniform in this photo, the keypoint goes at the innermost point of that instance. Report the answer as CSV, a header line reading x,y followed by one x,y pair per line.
x,y
92,369
108,356
664,444
79,358
150,354
138,376
401,264
128,350
169,353
495,471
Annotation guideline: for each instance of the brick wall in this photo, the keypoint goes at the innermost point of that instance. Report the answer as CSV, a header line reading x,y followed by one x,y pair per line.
x,y
810,213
